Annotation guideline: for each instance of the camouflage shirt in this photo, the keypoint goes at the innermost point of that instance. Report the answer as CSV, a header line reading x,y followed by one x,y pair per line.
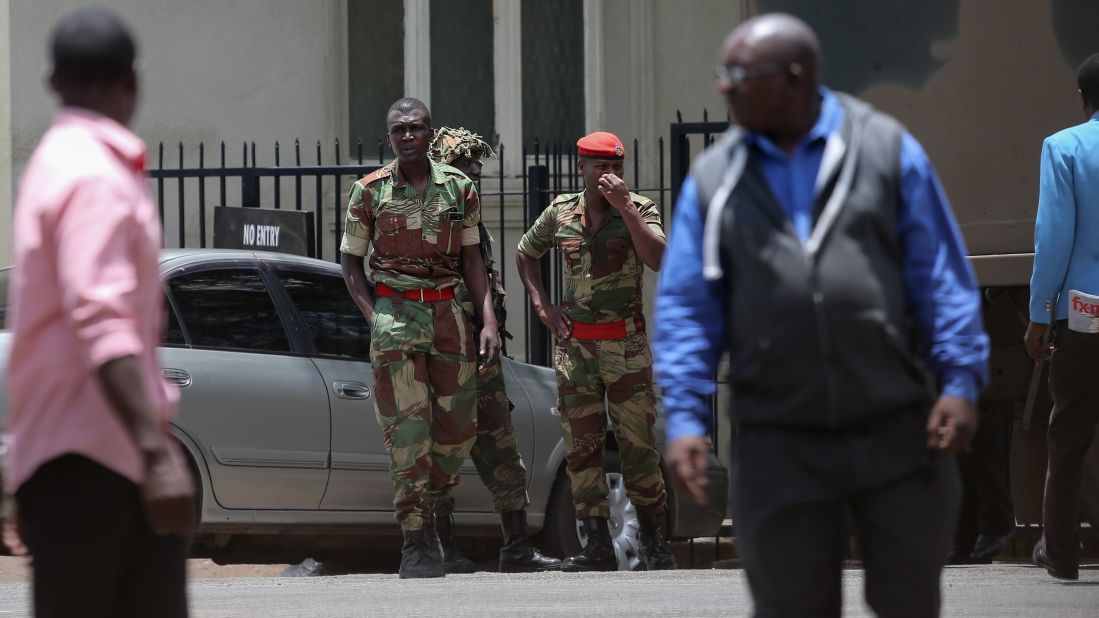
x,y
417,243
603,274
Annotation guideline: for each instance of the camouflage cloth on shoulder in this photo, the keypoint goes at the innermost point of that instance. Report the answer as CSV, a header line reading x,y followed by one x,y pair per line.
x,y
603,274
417,242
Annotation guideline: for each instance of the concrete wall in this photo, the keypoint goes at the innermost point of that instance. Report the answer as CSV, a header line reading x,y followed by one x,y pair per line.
x,y
262,70
658,58
6,180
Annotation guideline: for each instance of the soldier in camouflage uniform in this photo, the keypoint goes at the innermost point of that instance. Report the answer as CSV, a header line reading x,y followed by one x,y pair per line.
x,y
606,236
421,219
494,452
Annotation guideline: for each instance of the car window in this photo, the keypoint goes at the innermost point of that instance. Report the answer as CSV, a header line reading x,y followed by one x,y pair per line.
x,y
173,332
333,320
229,309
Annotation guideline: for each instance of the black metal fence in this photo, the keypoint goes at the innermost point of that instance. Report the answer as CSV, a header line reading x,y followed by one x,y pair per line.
x,y
188,183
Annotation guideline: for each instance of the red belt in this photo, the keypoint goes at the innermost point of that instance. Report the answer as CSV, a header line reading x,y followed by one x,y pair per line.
x,y
604,330
425,295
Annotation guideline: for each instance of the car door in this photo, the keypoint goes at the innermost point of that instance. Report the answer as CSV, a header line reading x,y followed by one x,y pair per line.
x,y
257,408
339,338
341,350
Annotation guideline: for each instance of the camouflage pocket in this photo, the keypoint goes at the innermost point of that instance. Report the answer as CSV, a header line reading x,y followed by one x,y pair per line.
x,y
636,353
392,237
571,251
449,242
618,255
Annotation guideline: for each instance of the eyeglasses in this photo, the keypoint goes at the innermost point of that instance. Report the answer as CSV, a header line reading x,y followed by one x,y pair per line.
x,y
735,73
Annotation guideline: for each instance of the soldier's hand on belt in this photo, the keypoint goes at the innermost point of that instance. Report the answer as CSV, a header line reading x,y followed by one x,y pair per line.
x,y
952,423
490,346
616,191
556,320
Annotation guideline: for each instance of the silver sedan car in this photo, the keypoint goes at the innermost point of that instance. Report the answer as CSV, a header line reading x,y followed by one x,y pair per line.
x,y
272,359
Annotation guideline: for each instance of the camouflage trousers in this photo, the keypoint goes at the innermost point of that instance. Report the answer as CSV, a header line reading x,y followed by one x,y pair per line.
x,y
424,382
495,453
594,377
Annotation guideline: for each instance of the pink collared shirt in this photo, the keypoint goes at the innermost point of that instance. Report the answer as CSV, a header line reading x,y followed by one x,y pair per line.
x,y
85,290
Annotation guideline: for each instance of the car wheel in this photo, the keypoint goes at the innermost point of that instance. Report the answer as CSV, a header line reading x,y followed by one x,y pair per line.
x,y
562,535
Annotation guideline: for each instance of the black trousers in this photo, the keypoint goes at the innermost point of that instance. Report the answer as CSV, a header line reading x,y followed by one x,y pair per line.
x,y
93,553
1072,425
985,471
794,493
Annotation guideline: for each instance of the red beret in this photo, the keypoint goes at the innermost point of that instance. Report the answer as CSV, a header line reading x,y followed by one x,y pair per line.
x,y
600,145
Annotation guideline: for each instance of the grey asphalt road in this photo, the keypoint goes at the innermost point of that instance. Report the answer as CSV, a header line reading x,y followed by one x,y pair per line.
x,y
997,591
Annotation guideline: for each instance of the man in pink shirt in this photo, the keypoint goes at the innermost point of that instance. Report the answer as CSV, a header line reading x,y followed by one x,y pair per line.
x,y
103,497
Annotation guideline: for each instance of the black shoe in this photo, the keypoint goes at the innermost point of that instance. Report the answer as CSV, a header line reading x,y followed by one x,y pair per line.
x,y
519,555
988,547
598,554
654,549
1041,558
957,556
454,561
420,555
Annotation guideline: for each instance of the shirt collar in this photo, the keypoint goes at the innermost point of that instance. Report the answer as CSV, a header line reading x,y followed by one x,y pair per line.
x,y
828,122
581,206
437,174
127,145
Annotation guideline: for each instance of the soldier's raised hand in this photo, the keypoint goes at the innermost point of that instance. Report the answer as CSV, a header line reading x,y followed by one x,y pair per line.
x,y
615,190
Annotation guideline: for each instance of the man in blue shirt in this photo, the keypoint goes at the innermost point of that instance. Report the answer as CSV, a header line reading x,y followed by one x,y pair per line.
x,y
1066,258
815,244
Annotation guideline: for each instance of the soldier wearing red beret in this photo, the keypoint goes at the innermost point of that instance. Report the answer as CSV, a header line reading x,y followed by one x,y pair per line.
x,y
606,236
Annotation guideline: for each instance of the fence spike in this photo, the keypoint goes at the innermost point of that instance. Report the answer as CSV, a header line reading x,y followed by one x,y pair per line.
x,y
678,116
276,153
297,152
337,151
359,149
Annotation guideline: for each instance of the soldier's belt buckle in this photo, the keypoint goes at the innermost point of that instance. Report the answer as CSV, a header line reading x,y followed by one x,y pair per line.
x,y
421,295
454,215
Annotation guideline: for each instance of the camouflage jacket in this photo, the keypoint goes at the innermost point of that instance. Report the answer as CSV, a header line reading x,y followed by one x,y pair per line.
x,y
602,272
417,243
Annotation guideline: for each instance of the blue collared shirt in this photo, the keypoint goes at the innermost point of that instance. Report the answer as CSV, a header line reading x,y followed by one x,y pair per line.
x,y
942,291
1066,232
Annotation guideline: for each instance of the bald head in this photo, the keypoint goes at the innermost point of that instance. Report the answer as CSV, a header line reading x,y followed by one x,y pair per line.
x,y
769,77
777,37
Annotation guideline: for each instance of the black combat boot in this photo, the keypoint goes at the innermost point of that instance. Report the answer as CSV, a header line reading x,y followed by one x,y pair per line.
x,y
654,549
519,555
454,561
420,555
598,554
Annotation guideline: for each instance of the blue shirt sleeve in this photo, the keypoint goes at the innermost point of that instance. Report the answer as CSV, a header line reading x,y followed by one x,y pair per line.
x,y
942,290
690,323
1054,232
